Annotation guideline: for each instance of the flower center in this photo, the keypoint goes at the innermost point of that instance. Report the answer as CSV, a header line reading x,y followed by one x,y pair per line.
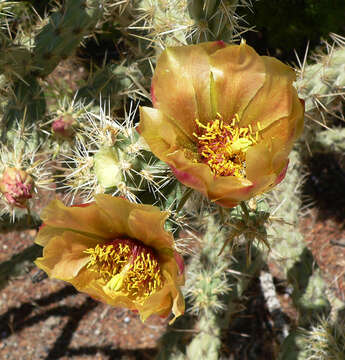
x,y
223,146
127,266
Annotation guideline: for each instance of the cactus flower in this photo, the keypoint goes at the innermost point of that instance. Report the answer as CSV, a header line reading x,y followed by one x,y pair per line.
x,y
116,251
16,186
224,119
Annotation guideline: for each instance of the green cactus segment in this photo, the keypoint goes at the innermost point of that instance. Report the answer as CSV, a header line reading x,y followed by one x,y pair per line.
x,y
126,168
15,61
295,260
289,251
324,340
57,40
207,344
332,140
206,283
107,167
286,241
172,23
212,293
214,19
60,37
166,22
196,9
111,84
26,103
321,83
309,290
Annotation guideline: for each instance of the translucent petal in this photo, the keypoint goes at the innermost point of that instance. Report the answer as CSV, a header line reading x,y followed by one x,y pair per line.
x,y
63,257
181,84
238,73
274,100
85,220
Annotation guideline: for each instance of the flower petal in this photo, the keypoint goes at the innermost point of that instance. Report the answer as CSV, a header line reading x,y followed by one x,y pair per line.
x,y
274,100
181,84
158,132
281,134
85,220
225,190
148,226
63,257
228,191
163,301
238,73
193,174
117,211
259,167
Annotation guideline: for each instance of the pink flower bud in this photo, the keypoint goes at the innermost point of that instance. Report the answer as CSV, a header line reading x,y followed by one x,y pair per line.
x,y
16,186
63,126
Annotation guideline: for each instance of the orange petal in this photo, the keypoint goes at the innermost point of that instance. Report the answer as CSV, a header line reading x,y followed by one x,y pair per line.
x,y
238,73
281,134
117,210
63,257
168,299
158,132
259,167
192,174
228,191
274,100
85,220
258,162
148,226
181,84
225,190
46,233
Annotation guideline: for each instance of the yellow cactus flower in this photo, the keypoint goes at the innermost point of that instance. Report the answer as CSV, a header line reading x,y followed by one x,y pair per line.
x,y
115,251
224,119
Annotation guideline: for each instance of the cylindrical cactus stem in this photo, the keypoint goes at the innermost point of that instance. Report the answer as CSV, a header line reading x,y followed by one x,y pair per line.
x,y
60,37
26,103
172,23
323,82
55,41
332,140
15,61
324,340
211,294
206,283
214,20
293,258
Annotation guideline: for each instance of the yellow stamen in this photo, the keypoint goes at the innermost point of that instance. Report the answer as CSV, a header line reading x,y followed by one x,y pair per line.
x,y
223,146
126,266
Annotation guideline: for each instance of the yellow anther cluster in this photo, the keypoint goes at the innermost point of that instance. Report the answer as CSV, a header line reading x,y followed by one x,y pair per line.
x,y
223,146
126,266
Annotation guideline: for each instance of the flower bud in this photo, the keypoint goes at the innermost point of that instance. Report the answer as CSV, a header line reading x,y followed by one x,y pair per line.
x,y
16,186
63,126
